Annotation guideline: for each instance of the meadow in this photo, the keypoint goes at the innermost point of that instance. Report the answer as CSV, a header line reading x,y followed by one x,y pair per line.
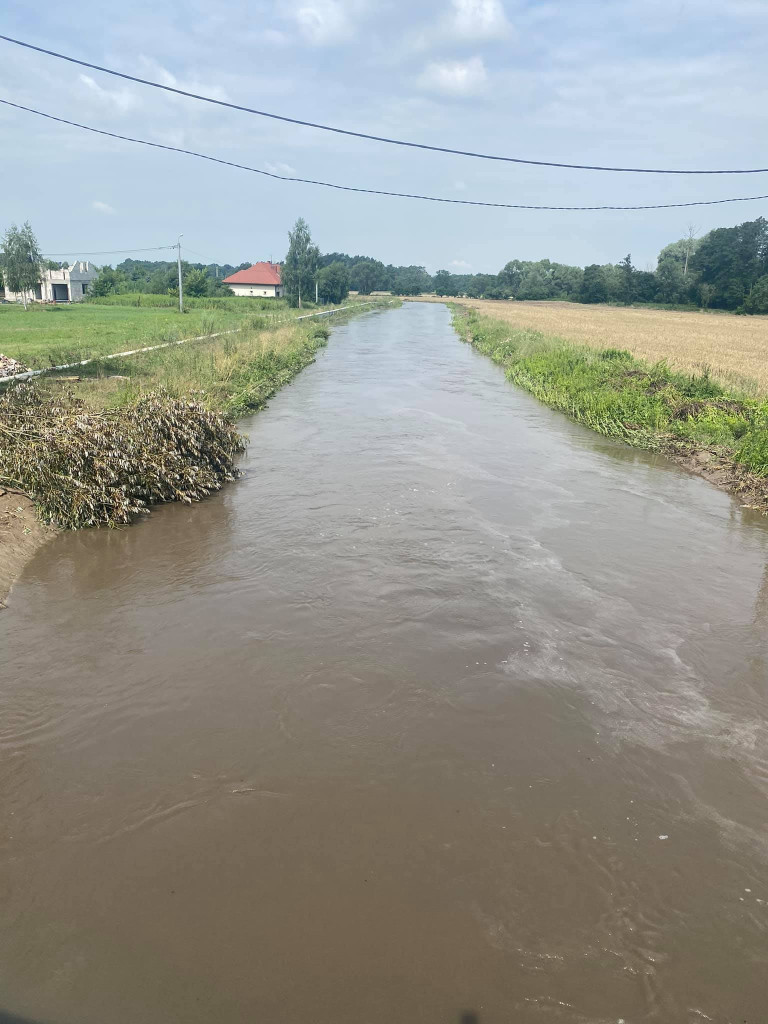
x,y
733,350
47,335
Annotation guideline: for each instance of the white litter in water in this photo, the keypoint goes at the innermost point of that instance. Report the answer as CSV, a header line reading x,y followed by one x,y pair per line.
x,y
663,837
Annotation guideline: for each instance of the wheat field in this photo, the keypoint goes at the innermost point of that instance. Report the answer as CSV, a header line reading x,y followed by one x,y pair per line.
x,y
733,348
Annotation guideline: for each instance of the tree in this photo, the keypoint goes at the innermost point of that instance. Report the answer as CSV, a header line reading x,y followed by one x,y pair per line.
x,y
535,285
443,283
732,260
21,260
627,280
300,267
690,246
195,283
757,300
365,275
645,286
411,281
670,280
511,275
333,283
479,284
594,287
107,282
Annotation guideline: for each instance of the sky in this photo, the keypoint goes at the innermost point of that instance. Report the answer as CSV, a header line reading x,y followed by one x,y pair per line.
x,y
624,82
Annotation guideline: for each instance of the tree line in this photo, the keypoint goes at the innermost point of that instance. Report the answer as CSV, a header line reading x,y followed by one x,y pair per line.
x,y
724,269
727,268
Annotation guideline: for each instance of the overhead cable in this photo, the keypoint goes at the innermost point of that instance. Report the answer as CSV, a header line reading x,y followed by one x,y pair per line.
x,y
366,135
371,191
110,252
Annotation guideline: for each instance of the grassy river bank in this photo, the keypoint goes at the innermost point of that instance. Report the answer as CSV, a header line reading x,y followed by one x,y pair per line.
x,y
719,434
102,447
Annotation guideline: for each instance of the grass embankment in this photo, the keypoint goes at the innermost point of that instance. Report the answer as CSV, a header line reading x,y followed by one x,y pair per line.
x,y
689,416
126,434
731,348
48,335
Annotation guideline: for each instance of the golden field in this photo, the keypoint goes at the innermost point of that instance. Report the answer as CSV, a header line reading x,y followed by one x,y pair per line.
x,y
734,348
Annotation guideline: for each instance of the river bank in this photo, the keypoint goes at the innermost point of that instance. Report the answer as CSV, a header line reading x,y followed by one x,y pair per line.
x,y
21,534
103,447
719,435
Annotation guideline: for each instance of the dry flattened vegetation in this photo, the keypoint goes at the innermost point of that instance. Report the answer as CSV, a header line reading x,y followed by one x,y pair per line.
x,y
89,468
732,349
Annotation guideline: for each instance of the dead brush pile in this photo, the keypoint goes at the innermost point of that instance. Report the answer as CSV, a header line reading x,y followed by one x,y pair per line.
x,y
86,468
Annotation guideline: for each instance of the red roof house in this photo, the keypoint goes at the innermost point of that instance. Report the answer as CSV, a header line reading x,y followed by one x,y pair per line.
x,y
262,279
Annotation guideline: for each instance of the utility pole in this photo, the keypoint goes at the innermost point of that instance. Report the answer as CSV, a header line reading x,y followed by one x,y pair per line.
x,y
181,290
315,291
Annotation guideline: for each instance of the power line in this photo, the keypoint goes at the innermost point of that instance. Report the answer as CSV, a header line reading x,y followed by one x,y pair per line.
x,y
365,135
374,191
111,252
210,263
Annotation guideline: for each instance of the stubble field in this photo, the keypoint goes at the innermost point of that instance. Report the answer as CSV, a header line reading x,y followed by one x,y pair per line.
x,y
733,348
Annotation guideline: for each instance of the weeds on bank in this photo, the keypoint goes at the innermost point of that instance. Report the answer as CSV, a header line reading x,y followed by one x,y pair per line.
x,y
646,405
234,374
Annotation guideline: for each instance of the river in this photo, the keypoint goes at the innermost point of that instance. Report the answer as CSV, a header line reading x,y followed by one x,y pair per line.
x,y
449,710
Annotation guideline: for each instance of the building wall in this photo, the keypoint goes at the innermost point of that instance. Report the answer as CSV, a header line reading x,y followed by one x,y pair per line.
x,y
270,291
77,278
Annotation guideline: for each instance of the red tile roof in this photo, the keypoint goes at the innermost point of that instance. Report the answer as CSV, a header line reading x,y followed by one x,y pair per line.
x,y
259,273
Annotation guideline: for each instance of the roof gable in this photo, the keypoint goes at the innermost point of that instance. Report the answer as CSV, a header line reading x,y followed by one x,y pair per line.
x,y
259,273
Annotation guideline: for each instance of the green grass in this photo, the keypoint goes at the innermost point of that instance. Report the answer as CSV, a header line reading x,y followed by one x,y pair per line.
x,y
648,406
234,374
240,303
52,335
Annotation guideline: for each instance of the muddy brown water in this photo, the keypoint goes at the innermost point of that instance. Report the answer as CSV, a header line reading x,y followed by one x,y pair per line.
x,y
449,710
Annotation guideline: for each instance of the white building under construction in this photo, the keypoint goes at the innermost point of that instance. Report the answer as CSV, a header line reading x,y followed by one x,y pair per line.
x,y
70,284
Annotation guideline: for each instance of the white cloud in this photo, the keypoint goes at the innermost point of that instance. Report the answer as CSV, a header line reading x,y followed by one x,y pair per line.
x,y
456,78
117,99
279,168
323,22
460,264
101,207
478,19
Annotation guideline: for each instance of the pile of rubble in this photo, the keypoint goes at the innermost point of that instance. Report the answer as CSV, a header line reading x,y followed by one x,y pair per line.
x,y
9,367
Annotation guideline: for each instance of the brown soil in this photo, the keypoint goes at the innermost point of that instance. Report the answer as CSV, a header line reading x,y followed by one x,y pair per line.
x,y
747,488
21,534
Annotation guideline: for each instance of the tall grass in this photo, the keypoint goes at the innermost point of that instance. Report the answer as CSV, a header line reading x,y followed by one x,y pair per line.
x,y
647,405
241,303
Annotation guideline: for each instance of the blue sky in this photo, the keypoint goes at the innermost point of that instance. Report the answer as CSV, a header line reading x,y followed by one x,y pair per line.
x,y
635,82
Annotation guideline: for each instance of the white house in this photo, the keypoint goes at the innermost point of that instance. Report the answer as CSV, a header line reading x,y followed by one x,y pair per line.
x,y
262,279
69,284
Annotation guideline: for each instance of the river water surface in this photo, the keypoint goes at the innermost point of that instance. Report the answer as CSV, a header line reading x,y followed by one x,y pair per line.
x,y
448,710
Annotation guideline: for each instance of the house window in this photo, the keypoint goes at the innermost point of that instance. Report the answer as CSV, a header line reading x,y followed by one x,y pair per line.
x,y
85,287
